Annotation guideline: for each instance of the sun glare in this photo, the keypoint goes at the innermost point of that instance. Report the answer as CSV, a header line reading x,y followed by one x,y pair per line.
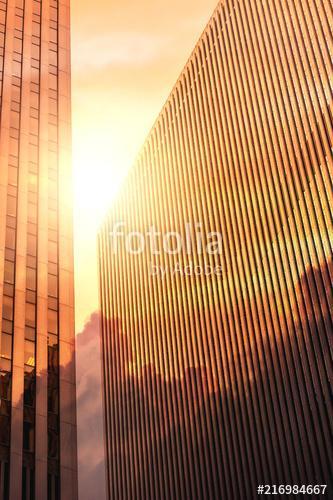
x,y
97,177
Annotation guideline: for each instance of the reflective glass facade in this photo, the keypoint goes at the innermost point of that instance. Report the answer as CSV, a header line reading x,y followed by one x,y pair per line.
x,y
214,384
37,368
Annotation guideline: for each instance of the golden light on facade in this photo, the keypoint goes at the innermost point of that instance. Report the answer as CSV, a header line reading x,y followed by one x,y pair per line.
x,y
38,432
229,370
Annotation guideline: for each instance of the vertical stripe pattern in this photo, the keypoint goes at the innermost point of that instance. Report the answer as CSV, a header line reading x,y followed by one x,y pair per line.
x,y
216,383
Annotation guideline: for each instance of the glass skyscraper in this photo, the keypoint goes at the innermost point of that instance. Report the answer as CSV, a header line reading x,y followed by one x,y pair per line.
x,y
216,269
37,369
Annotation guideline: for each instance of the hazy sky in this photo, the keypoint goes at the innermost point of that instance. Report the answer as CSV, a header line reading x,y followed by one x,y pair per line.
x,y
126,57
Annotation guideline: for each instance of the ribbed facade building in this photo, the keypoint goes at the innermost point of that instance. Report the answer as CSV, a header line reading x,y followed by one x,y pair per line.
x,y
37,370
217,382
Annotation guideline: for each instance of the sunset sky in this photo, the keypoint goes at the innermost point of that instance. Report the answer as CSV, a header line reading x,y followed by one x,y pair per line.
x,y
126,57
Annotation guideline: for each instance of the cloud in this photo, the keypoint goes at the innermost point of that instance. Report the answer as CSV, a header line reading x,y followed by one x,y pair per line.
x,y
119,50
90,414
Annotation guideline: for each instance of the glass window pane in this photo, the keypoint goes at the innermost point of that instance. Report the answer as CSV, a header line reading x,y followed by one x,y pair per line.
x,y
6,346
10,238
8,308
12,176
28,436
4,430
31,278
53,286
5,385
53,444
8,289
11,206
29,353
30,315
29,388
32,245
7,326
52,321
52,340
31,297
53,358
9,272
30,333
53,251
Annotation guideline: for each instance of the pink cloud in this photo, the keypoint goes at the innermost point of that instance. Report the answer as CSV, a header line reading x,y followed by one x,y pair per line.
x,y
90,415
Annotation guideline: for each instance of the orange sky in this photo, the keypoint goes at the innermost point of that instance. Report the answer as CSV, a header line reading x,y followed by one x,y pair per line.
x,y
126,57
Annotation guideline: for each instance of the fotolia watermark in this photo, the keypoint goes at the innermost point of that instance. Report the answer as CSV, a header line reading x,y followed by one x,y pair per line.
x,y
181,269
205,248
193,240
